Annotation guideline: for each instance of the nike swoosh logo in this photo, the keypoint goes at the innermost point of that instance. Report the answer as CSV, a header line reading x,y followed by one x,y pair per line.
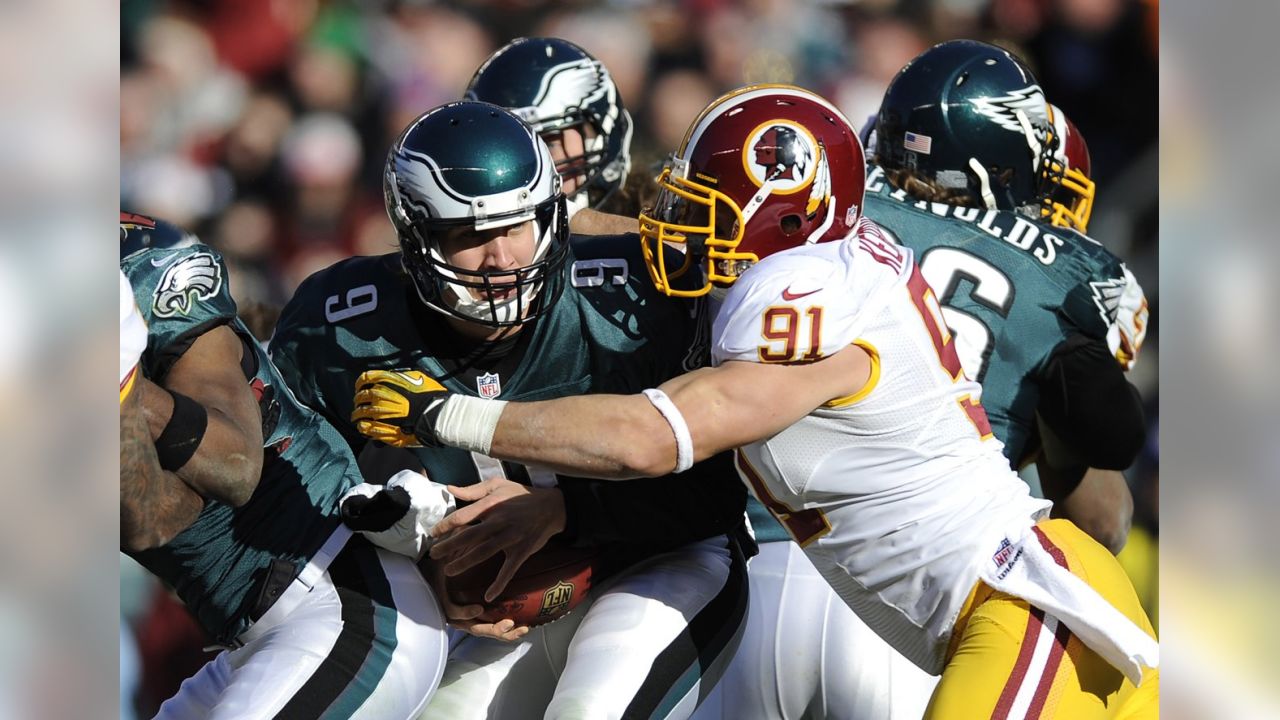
x,y
790,296
411,379
157,262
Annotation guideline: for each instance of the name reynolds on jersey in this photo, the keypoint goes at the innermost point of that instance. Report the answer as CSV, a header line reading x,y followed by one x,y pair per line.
x,y
1017,231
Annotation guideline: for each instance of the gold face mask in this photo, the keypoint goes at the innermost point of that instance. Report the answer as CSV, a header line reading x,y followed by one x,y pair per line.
x,y
692,224
1071,203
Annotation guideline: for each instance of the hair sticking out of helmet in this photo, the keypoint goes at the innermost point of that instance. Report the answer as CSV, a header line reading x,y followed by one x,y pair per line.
x,y
570,99
476,167
1070,204
762,169
967,123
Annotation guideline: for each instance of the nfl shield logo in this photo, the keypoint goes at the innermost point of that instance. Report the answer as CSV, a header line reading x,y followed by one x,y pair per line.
x,y
488,385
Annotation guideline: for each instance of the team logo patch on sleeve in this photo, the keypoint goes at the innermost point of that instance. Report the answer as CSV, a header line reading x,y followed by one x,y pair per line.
x,y
1106,296
191,279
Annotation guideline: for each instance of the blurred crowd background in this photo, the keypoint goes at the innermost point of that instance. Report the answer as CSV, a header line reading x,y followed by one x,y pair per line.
x,y
263,125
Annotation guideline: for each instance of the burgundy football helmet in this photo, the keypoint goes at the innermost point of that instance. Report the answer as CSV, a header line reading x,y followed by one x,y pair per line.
x,y
1071,202
763,168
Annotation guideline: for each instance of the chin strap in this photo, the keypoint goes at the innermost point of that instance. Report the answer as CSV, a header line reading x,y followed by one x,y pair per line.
x,y
817,234
755,202
1033,141
984,179
984,182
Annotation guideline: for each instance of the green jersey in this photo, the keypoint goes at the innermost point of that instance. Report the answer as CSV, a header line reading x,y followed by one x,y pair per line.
x,y
1012,291
217,564
609,332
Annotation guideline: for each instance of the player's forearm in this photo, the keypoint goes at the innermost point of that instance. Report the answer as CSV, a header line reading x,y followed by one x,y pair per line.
x,y
226,464
225,468
593,222
154,504
600,436
1099,503
155,509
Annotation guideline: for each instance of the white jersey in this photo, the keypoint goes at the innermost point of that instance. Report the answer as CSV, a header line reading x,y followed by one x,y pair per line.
x,y
133,336
898,492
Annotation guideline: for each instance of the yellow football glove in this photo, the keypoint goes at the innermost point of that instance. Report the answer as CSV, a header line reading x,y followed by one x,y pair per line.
x,y
392,405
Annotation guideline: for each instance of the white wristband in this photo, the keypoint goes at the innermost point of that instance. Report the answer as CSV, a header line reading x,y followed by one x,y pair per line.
x,y
469,422
671,413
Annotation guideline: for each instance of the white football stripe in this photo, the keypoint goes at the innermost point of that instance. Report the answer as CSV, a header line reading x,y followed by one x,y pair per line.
x,y
1039,661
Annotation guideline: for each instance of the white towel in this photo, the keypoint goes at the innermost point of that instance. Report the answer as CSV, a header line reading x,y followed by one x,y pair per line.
x,y
1020,566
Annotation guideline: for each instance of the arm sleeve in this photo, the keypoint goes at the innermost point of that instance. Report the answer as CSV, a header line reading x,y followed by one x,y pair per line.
x,y
1088,404
657,513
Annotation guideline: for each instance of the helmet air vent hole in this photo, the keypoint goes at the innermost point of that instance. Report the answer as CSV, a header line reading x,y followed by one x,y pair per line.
x,y
790,224
453,122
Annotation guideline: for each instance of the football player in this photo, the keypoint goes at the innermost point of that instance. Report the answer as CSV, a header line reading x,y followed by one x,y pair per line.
x,y
957,257
489,294
571,101
314,623
835,376
969,157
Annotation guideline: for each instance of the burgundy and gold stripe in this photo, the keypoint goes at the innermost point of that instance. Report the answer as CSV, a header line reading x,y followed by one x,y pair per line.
x,y
1041,668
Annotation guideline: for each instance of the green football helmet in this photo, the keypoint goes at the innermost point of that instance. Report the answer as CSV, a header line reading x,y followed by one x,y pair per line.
x,y
475,164
553,85
969,117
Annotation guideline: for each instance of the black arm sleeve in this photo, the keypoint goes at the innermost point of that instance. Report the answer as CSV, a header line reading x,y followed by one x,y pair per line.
x,y
657,513
1090,406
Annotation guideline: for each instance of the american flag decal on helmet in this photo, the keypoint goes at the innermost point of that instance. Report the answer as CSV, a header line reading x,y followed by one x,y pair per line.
x,y
922,144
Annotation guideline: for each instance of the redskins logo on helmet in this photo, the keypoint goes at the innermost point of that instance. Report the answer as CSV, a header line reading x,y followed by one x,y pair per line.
x,y
783,153
762,169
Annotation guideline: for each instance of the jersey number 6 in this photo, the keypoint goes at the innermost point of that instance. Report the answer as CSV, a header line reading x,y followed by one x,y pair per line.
x,y
944,268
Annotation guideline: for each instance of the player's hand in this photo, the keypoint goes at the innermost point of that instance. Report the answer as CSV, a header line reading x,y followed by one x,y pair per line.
x,y
1131,320
505,517
463,617
397,407
397,516
505,630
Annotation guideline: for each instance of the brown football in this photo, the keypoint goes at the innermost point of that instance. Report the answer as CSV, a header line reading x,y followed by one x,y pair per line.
x,y
546,587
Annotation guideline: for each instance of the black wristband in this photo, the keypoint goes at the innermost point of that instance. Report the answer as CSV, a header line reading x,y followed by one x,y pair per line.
x,y
182,436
